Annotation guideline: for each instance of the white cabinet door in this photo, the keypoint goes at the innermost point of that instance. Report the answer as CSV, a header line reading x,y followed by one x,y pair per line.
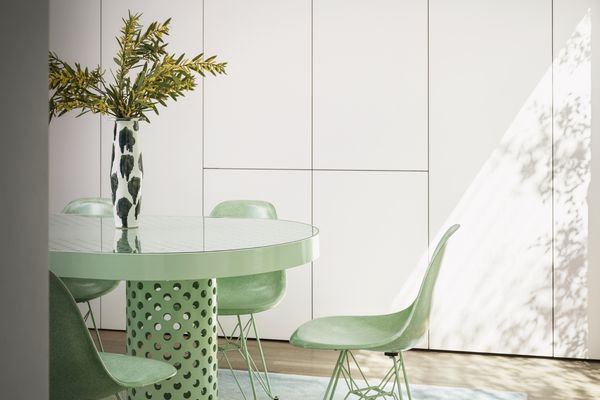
x,y
490,171
290,193
370,84
259,114
373,240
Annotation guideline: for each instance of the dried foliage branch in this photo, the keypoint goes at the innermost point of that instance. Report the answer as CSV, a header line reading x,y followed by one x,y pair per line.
x,y
146,76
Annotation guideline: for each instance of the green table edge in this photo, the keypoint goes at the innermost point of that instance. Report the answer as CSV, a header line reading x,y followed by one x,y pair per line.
x,y
185,266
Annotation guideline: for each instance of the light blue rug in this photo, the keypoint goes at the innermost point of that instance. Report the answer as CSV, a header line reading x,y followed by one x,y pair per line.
x,y
298,387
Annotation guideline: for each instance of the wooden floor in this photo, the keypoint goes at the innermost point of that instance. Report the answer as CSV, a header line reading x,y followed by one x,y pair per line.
x,y
541,379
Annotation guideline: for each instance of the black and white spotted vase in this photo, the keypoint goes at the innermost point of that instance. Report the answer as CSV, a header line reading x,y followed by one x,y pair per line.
x,y
126,174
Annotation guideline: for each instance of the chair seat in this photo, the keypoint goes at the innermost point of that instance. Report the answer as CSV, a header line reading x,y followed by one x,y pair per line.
x,y
372,332
84,290
135,372
250,294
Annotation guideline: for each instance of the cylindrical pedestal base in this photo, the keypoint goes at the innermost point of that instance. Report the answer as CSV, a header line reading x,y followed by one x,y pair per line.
x,y
175,322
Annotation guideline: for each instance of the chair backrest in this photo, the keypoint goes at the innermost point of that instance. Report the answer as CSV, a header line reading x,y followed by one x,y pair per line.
x,y
76,370
91,207
87,289
419,311
274,281
244,209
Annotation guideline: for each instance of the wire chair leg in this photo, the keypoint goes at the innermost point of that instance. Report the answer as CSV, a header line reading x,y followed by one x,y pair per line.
x,y
229,341
405,377
87,315
397,375
118,396
335,376
262,359
239,385
246,355
95,327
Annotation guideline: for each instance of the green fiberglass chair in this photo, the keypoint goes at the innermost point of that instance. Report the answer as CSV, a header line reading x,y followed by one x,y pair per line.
x,y
86,290
391,334
248,295
77,370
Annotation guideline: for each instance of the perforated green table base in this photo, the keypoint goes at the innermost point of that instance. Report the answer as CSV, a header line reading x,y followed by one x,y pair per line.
x,y
175,322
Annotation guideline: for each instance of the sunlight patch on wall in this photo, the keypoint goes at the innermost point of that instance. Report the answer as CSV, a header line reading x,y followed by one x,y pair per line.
x,y
495,288
572,176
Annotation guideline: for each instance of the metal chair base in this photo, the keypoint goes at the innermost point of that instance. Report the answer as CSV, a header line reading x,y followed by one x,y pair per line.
x,y
237,341
363,389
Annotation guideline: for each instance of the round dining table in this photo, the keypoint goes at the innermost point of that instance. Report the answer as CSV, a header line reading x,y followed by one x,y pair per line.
x,y
171,265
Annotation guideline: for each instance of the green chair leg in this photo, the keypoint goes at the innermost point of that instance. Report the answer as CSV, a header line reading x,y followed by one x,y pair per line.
x,y
390,386
262,359
405,377
91,314
230,344
335,376
397,376
223,355
246,355
238,341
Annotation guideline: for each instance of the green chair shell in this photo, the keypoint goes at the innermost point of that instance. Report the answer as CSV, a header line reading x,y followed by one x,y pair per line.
x,y
84,290
399,331
390,333
90,207
251,294
244,209
77,370
247,295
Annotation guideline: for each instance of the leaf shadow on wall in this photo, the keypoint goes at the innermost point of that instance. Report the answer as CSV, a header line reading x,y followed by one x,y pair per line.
x,y
572,178
495,288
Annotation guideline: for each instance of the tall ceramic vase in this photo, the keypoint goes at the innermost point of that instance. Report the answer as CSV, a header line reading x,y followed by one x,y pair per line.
x,y
126,173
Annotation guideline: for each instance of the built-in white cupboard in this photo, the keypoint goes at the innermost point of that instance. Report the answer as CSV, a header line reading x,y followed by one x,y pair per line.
x,y
381,122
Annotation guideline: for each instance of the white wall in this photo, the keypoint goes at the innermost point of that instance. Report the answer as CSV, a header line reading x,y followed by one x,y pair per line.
x,y
576,273
381,122
74,144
